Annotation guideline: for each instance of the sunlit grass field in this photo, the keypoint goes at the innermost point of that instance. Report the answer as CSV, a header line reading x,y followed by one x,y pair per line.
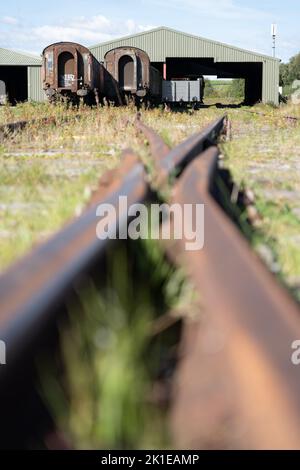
x,y
264,156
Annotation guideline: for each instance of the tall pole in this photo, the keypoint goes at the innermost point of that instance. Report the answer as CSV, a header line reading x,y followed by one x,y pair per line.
x,y
274,33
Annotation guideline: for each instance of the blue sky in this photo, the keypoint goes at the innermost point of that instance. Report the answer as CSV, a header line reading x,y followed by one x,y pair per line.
x,y
31,25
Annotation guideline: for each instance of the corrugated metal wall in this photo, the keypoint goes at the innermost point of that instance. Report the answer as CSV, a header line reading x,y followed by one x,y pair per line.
x,y
271,81
9,57
164,42
35,87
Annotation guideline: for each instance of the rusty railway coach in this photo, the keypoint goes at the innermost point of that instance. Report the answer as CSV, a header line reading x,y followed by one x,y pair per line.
x,y
71,72
130,67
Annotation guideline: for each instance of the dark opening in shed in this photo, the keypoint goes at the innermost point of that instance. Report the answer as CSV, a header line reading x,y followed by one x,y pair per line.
x,y
192,68
15,79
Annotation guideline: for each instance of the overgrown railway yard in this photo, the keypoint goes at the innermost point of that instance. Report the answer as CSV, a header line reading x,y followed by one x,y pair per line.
x,y
49,172
138,343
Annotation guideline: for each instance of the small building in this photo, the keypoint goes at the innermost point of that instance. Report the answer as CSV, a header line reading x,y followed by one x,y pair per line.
x,y
20,76
182,55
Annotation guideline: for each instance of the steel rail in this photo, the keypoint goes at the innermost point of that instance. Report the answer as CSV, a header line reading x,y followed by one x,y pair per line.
x,y
237,386
169,162
20,125
159,149
31,290
259,113
9,128
13,127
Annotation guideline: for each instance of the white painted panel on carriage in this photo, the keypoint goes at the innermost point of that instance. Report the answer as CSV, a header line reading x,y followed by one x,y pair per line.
x,y
3,97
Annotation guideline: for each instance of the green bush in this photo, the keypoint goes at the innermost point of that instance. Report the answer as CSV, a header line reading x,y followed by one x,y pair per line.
x,y
290,72
221,90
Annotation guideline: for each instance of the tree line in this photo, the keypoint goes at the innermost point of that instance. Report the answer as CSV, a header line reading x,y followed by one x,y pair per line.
x,y
290,72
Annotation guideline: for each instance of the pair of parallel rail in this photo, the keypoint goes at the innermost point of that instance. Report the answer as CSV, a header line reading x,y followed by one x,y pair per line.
x,y
235,385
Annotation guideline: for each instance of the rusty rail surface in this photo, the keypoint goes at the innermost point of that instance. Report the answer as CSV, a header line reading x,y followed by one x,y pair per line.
x,y
159,149
27,306
31,289
236,386
172,162
9,128
259,113
20,125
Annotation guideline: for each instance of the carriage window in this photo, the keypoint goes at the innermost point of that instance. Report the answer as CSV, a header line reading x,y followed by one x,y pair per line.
x,y
49,59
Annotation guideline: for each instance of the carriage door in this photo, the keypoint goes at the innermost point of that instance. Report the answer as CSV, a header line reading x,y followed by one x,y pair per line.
x,y
2,92
67,70
127,75
84,67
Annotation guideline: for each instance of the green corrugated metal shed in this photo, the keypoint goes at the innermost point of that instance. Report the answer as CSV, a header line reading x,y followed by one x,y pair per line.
x,y
33,64
8,57
162,43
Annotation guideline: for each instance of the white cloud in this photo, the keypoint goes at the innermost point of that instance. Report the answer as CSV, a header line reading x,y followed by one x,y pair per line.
x,y
87,30
48,34
10,20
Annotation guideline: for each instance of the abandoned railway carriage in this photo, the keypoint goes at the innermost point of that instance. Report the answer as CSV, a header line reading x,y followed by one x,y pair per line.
x,y
70,71
131,68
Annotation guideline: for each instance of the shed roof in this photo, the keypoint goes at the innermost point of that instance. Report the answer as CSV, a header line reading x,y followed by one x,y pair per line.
x,y
9,57
165,42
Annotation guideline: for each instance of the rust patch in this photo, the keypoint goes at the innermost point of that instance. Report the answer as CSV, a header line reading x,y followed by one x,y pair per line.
x,y
254,389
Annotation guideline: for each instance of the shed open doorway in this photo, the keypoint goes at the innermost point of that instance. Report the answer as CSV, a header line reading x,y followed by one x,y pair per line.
x,y
16,82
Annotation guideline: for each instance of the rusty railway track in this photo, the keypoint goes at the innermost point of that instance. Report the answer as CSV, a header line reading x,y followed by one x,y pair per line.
x,y
18,126
259,113
9,128
235,386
